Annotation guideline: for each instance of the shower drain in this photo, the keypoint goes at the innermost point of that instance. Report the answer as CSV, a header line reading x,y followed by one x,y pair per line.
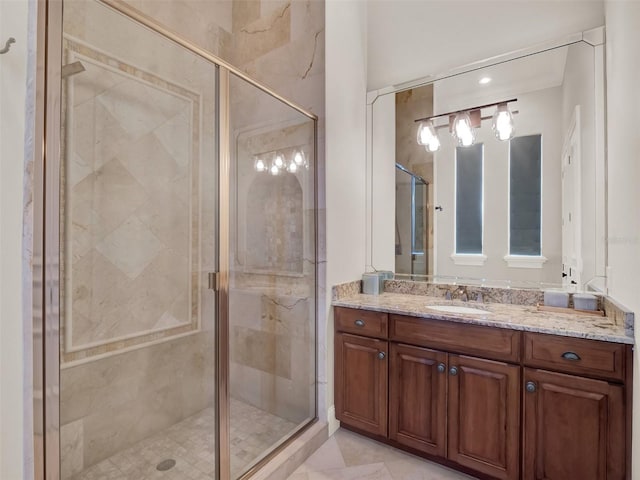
x,y
165,465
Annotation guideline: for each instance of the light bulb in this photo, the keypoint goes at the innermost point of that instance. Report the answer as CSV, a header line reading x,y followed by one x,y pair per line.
x,y
298,158
502,123
274,170
462,130
279,161
292,167
427,136
259,165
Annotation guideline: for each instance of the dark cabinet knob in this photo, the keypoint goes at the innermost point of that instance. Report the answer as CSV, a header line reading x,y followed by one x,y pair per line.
x,y
453,371
442,367
531,387
359,323
381,355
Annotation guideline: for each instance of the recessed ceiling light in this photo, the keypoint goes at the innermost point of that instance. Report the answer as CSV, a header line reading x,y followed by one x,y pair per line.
x,y
484,80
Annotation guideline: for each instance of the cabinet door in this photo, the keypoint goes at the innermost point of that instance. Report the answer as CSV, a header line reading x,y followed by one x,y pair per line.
x,y
484,415
574,428
361,382
417,398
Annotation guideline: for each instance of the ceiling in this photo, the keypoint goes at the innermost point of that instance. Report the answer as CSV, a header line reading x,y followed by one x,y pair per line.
x,y
508,80
411,39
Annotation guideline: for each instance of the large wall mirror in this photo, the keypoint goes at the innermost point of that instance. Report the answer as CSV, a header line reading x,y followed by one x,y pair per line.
x,y
505,183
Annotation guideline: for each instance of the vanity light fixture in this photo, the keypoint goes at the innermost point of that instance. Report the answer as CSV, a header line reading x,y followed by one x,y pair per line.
x,y
298,158
259,165
291,159
427,136
502,123
463,124
463,130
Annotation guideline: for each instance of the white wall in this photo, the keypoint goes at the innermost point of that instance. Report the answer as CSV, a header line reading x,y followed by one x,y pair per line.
x,y
539,114
13,76
346,68
414,39
623,105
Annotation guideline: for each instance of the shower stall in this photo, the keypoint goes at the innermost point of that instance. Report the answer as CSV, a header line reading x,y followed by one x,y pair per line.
x,y
413,242
179,244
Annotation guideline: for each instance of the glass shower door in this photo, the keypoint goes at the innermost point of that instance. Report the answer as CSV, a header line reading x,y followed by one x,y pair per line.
x,y
272,278
138,220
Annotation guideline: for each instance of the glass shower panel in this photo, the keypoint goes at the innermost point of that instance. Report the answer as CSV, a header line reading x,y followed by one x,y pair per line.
x,y
272,274
138,223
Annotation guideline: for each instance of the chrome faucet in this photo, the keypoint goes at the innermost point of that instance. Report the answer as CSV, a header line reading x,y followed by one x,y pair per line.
x,y
459,294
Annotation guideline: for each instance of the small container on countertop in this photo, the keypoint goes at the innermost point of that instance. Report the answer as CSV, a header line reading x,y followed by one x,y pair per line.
x,y
556,298
585,301
372,283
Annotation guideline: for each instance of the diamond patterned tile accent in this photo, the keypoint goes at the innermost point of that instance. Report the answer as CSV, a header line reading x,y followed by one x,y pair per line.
x,y
131,247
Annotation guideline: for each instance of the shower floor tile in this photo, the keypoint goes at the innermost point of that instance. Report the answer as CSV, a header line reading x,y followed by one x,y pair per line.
x,y
191,444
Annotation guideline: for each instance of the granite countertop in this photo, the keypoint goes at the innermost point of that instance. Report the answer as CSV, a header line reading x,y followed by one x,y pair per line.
x,y
515,317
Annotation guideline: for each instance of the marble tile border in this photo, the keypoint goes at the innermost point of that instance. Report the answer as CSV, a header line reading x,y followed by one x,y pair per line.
x,y
338,292
76,49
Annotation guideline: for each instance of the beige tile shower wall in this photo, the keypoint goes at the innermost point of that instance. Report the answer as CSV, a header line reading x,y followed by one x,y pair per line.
x,y
138,143
110,404
281,44
269,347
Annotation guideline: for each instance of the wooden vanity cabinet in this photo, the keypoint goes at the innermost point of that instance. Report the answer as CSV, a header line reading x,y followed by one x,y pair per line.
x,y
484,416
418,398
573,428
531,406
462,408
361,369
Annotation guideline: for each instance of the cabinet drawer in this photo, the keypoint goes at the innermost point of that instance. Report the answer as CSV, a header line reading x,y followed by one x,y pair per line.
x,y
487,342
574,355
362,322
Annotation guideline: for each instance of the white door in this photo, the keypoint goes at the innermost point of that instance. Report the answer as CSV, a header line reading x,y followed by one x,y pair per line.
x,y
571,211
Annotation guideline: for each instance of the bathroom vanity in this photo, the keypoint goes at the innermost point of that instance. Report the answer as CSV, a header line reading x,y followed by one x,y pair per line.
x,y
507,392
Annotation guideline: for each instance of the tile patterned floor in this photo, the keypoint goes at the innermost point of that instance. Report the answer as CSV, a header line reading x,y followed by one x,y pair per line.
x,y
348,456
191,444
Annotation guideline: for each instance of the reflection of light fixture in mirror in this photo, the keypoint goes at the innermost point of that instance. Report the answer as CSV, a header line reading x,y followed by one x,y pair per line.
x,y
292,167
463,130
463,125
259,165
298,158
427,136
502,124
274,170
484,80
278,161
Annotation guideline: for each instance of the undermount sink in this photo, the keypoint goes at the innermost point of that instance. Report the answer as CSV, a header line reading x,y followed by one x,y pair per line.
x,y
457,309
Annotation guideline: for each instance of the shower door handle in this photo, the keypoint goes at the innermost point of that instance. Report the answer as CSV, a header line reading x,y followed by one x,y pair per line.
x,y
213,281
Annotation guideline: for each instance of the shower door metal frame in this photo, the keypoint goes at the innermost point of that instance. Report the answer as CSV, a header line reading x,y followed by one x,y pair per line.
x,y
46,238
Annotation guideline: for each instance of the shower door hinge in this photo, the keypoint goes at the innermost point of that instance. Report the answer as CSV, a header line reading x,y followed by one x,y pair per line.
x,y
213,281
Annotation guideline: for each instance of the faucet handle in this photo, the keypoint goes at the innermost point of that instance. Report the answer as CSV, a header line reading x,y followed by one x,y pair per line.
x,y
479,298
447,295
